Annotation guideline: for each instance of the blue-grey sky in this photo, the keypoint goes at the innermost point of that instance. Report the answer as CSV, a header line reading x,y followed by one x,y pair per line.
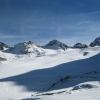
x,y
69,21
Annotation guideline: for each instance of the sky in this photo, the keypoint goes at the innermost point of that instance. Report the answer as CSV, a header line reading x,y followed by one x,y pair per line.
x,y
40,21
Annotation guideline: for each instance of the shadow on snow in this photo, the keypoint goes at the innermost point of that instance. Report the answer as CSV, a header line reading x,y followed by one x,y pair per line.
x,y
40,80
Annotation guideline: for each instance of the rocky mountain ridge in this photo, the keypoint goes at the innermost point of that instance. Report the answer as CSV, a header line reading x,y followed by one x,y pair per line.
x,y
26,48
96,42
55,44
30,47
80,45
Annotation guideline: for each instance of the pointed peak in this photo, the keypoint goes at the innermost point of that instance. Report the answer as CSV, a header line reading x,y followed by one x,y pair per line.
x,y
28,42
26,48
55,44
96,42
3,46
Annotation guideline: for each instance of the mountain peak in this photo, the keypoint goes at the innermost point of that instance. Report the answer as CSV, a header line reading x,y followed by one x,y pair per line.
x,y
3,46
26,48
28,42
55,44
96,42
80,45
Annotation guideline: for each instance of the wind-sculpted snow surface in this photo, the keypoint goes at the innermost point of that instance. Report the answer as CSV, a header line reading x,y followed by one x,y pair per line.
x,y
55,76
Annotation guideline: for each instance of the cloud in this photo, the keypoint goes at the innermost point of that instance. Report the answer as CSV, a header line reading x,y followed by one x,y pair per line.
x,y
84,22
90,13
13,36
8,36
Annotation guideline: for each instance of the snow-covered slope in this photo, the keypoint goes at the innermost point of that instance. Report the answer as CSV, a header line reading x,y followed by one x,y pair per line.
x,y
73,74
55,44
8,58
26,47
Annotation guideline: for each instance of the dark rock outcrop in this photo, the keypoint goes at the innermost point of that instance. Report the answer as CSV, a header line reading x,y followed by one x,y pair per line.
x,y
96,42
2,59
3,46
55,44
80,45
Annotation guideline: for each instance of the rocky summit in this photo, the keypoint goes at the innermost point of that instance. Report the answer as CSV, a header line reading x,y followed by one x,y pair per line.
x,y
55,44
26,48
3,46
80,45
96,42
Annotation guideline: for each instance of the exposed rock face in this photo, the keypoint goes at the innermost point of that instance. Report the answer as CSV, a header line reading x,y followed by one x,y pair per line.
x,y
25,48
79,45
55,44
3,46
2,59
96,42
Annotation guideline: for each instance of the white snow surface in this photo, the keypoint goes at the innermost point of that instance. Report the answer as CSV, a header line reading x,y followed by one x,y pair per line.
x,y
26,47
73,74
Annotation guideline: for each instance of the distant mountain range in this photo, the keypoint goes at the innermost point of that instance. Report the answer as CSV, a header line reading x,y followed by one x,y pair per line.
x,y
30,47
52,70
